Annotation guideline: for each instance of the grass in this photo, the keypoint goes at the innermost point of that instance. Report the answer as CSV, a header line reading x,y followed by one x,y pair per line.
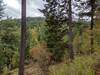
x,y
82,65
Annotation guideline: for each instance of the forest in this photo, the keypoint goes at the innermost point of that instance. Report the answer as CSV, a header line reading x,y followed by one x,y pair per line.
x,y
66,41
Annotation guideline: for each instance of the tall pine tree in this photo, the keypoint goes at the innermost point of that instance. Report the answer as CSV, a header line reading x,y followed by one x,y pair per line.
x,y
1,8
88,9
55,12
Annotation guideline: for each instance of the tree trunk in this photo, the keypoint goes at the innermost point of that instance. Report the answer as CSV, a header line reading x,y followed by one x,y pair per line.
x,y
70,33
23,38
92,26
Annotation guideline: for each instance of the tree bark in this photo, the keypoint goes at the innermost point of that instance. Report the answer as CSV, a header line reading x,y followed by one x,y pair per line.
x,y
70,32
92,26
23,38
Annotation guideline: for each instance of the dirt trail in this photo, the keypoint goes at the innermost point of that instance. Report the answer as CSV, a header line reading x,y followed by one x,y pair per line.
x,y
32,69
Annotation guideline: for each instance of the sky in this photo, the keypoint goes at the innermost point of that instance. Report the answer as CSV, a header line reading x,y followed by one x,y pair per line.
x,y
13,8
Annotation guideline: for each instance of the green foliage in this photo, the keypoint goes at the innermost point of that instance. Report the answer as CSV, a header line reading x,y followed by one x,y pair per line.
x,y
54,24
9,42
55,35
36,21
82,65
36,35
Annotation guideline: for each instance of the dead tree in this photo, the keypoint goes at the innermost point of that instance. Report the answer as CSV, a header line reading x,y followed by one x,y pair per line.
x,y
23,38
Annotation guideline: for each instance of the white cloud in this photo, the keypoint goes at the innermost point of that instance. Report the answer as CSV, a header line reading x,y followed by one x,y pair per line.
x,y
12,3
33,6
13,8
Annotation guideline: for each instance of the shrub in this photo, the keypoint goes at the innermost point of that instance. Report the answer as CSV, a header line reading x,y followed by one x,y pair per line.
x,y
41,55
82,65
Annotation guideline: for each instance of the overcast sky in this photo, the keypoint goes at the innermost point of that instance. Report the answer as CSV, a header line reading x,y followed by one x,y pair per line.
x,y
13,8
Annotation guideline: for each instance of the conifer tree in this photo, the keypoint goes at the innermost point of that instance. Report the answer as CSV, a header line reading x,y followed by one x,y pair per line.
x,y
88,9
55,12
1,8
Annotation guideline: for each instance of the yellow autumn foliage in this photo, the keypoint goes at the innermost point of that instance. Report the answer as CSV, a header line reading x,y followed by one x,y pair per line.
x,y
35,35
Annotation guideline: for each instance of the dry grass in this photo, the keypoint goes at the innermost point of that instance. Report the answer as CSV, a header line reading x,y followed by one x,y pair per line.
x,y
42,56
40,52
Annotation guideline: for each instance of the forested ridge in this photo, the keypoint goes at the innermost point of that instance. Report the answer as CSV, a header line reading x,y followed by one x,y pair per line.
x,y
57,44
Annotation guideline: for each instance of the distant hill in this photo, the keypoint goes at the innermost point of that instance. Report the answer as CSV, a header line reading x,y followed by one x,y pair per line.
x,y
32,21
